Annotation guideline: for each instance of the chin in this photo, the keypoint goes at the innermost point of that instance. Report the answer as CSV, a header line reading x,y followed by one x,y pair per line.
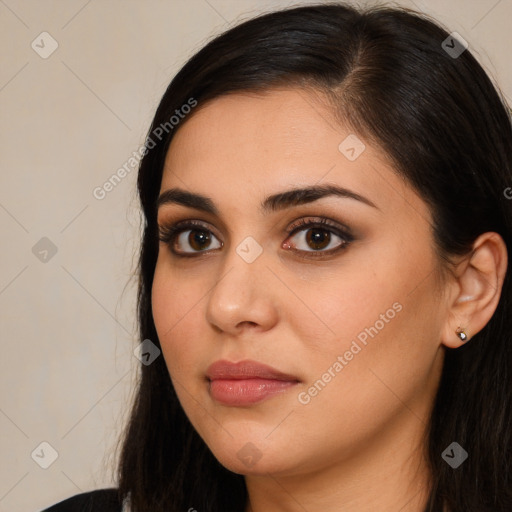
x,y
252,457
261,467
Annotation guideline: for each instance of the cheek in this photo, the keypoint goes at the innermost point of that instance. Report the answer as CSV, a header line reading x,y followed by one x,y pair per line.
x,y
332,310
389,358
382,320
176,305
376,371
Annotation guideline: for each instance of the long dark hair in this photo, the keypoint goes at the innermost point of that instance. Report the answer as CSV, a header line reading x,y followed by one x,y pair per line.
x,y
388,74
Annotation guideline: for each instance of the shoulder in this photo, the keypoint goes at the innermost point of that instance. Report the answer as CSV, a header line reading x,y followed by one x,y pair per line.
x,y
101,500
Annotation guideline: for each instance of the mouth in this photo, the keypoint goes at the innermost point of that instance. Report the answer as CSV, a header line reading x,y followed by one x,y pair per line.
x,y
246,382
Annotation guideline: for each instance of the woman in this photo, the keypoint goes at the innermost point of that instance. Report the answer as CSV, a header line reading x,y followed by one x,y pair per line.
x,y
324,269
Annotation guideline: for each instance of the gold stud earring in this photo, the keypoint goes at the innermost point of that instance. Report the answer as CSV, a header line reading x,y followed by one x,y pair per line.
x,y
461,334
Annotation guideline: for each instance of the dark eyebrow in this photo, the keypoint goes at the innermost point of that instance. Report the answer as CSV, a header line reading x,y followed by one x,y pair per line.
x,y
272,203
305,195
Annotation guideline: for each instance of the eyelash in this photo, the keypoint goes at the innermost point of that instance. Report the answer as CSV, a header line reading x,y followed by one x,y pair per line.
x,y
168,235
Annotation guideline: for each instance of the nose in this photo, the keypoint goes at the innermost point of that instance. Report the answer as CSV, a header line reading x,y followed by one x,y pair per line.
x,y
244,294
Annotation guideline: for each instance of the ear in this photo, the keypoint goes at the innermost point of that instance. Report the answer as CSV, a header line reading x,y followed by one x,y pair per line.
x,y
475,289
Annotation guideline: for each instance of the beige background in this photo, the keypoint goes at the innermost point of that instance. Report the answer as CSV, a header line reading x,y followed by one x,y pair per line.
x,y
68,122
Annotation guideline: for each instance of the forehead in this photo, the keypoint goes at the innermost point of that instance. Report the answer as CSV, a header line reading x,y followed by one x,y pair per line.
x,y
283,123
250,145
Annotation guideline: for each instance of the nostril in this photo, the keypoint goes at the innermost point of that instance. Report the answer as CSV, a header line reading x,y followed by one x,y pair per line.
x,y
248,323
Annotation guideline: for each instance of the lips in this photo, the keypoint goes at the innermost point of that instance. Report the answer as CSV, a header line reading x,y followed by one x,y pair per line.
x,y
247,369
246,383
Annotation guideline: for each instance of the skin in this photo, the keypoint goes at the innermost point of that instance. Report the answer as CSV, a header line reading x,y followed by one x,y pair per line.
x,y
357,444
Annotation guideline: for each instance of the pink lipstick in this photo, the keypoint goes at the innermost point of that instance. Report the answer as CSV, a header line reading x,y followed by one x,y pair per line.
x,y
246,382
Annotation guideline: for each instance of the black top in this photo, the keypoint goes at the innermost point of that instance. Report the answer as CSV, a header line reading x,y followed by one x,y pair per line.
x,y
102,500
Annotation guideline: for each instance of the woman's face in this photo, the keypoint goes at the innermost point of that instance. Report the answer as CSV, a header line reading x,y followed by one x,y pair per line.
x,y
351,309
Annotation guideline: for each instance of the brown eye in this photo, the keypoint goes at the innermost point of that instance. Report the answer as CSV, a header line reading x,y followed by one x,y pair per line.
x,y
318,238
321,237
198,239
187,239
